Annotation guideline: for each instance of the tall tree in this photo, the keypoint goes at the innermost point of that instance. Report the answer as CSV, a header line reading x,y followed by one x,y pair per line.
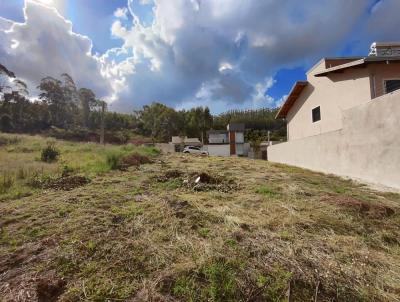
x,y
87,103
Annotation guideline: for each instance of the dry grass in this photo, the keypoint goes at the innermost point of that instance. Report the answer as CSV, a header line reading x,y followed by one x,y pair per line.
x,y
146,234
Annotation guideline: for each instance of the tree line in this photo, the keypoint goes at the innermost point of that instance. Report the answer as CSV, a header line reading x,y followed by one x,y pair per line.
x,y
66,111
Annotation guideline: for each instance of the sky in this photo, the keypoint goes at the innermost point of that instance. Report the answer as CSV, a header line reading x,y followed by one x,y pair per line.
x,y
224,54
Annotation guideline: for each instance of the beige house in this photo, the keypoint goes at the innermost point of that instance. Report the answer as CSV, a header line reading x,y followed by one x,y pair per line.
x,y
345,118
333,85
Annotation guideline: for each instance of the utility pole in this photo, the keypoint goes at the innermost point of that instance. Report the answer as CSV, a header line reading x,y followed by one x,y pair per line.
x,y
268,137
103,109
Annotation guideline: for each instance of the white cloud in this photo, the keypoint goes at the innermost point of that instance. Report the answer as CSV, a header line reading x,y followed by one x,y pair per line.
x,y
200,52
44,45
121,13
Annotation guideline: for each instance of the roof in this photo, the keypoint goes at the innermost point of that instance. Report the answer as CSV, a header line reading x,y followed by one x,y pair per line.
x,y
386,44
192,140
350,58
291,99
358,63
177,140
236,127
217,132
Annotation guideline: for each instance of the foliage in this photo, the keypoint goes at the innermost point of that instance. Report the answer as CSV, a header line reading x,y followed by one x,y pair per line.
x,y
50,153
66,111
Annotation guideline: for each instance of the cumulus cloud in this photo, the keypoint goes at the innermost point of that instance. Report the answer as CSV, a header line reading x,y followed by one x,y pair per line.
x,y
192,52
45,45
223,52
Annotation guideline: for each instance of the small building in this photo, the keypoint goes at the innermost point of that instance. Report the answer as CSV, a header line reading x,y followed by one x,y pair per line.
x,y
180,142
227,142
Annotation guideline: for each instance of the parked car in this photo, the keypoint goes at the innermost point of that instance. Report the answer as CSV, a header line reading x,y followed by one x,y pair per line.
x,y
194,150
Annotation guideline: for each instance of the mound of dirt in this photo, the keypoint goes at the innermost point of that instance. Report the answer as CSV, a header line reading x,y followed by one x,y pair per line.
x,y
135,160
362,207
66,183
49,290
207,182
198,182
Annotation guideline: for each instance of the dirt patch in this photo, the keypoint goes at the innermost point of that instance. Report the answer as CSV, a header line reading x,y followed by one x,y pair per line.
x,y
207,182
169,175
49,290
133,160
64,183
362,207
67,183
199,182
179,207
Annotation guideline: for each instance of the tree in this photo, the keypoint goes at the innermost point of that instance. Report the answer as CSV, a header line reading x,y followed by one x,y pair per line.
x,y
6,124
159,122
87,103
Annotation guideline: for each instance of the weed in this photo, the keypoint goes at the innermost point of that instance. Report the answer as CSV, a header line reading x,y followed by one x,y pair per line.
x,y
204,232
267,191
50,153
6,140
21,173
221,276
128,211
185,287
113,159
275,284
231,242
216,281
6,182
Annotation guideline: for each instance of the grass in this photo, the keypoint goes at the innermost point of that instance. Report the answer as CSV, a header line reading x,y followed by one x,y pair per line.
x,y
278,232
21,161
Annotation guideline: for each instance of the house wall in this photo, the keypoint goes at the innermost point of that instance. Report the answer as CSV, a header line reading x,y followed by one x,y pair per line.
x,y
367,147
218,138
338,92
381,72
218,150
239,137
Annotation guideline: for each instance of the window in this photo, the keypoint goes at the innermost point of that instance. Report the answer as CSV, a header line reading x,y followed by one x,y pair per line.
x,y
392,85
316,114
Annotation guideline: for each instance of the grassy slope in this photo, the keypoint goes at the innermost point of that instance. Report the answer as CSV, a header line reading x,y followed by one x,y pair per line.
x,y
140,236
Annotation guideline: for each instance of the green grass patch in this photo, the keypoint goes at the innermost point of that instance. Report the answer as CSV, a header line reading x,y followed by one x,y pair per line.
x,y
267,191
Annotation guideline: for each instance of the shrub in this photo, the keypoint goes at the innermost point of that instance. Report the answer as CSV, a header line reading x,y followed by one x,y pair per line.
x,y
50,153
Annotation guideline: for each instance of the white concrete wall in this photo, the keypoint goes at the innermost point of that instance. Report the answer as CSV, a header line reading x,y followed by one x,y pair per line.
x,y
366,148
218,150
218,138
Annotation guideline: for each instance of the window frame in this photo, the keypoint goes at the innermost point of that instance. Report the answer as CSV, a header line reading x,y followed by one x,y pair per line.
x,y
312,114
384,84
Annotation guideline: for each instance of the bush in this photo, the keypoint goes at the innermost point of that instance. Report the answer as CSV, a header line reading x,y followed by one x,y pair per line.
x,y
50,153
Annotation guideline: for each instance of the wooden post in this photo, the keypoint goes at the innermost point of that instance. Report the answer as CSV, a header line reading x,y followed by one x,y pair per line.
x,y
103,109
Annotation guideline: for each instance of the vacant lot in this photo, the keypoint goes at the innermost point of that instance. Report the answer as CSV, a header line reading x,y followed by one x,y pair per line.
x,y
185,228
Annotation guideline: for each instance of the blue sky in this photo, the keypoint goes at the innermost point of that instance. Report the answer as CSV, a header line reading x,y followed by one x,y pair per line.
x,y
224,54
